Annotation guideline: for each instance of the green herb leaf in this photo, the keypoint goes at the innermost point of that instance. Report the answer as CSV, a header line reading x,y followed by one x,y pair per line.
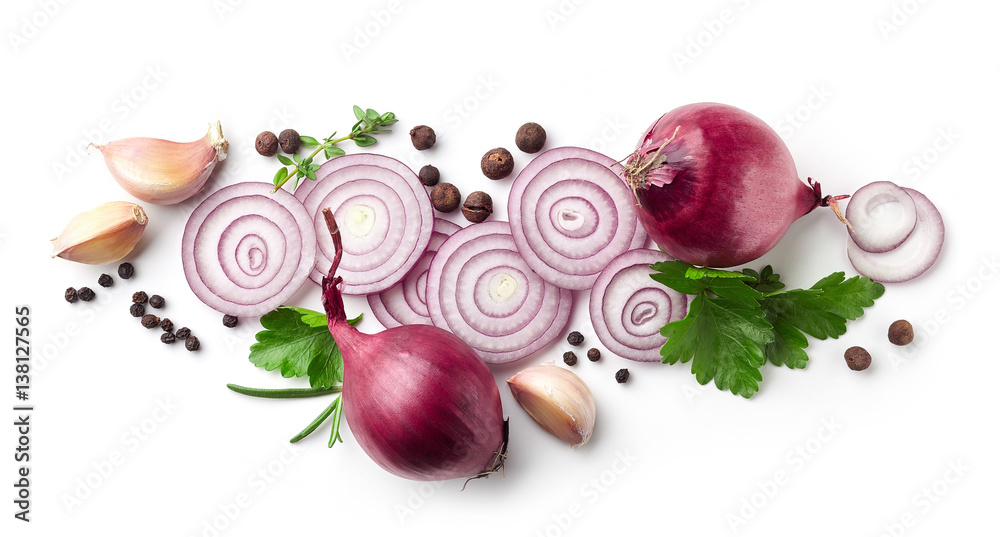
x,y
308,141
359,113
333,152
297,342
285,160
723,339
280,176
849,296
372,116
363,140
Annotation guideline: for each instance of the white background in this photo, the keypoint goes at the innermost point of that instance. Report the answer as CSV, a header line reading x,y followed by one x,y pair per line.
x,y
858,89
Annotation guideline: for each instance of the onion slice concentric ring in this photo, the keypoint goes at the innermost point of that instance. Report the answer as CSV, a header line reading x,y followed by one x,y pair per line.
x,y
876,232
911,258
406,302
245,250
571,214
384,215
628,308
482,290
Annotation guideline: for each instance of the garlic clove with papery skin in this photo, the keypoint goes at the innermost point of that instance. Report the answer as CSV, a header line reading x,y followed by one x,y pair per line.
x,y
102,235
558,400
164,172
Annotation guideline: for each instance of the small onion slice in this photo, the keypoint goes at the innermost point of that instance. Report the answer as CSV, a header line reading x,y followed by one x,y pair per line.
x,y
571,214
406,302
874,231
628,308
384,215
245,250
914,256
482,290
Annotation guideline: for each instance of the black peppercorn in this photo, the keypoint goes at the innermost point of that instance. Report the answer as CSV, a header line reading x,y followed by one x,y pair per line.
x,y
593,355
857,358
569,357
621,376
229,321
157,301
574,338
86,294
423,137
167,325
289,141
192,343
105,280
71,295
445,197
530,138
497,163
149,320
478,207
901,332
183,333
125,270
137,310
429,175
140,297
267,144
168,337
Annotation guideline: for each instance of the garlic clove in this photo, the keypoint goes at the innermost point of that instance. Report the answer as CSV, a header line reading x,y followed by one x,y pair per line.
x,y
558,400
102,235
164,172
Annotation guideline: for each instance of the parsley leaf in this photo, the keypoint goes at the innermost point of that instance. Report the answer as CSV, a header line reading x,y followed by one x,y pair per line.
x,y
738,321
297,342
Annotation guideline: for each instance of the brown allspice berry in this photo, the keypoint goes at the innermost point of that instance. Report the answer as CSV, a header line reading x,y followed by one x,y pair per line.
x,y
289,140
622,376
569,357
168,337
266,144
86,294
167,325
71,295
497,163
183,332
445,197
137,310
150,321
530,137
140,297
429,175
192,344
574,338
593,355
422,137
230,321
857,358
125,270
157,301
478,207
105,280
901,332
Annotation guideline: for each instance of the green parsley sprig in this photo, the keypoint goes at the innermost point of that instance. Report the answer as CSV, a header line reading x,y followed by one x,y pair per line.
x,y
297,343
369,123
738,321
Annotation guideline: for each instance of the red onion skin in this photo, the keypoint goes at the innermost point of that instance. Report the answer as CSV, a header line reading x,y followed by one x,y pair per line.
x,y
420,402
728,190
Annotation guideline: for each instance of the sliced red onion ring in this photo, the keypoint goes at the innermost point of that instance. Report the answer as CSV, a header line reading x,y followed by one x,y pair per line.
x,y
245,250
406,302
628,308
882,215
482,290
571,214
384,214
910,259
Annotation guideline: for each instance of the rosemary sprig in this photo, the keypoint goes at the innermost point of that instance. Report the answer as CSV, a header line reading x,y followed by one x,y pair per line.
x,y
369,123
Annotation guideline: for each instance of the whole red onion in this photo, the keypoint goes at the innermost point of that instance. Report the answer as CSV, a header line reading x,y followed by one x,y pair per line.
x,y
716,186
420,402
